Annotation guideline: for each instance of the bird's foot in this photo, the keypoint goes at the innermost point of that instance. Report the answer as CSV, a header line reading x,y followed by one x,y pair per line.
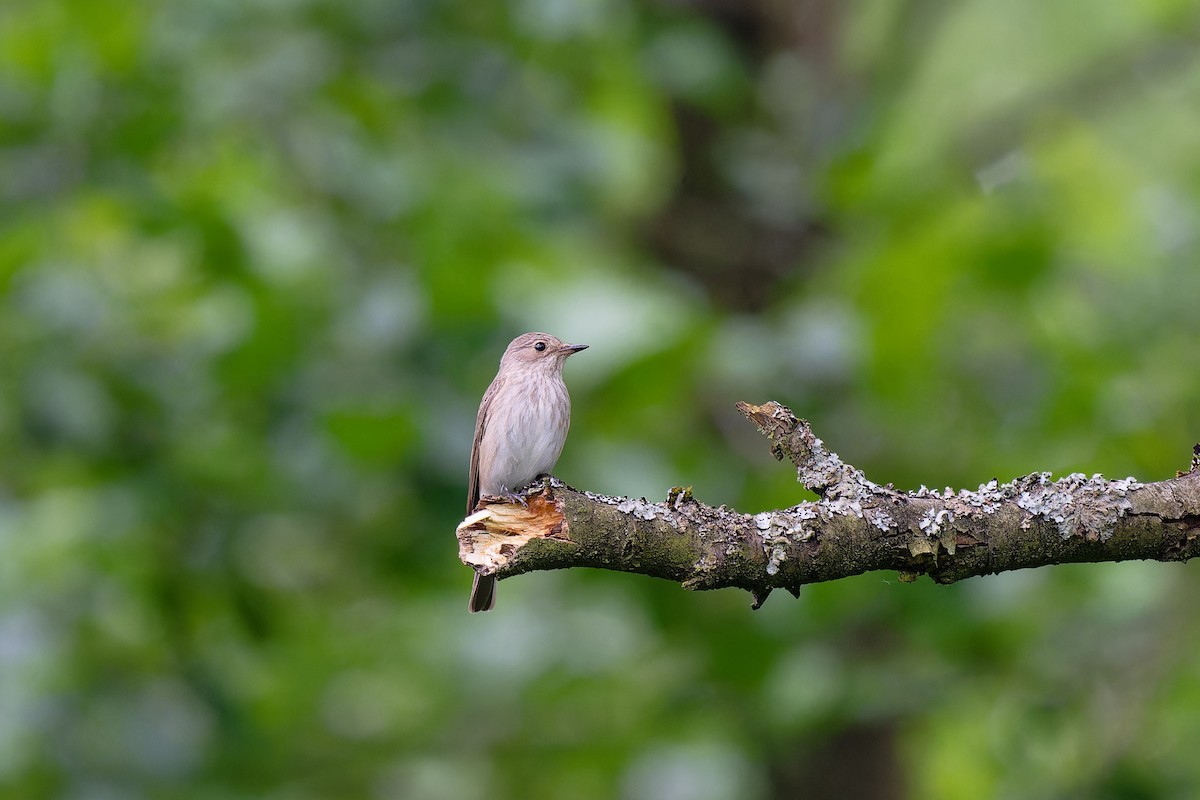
x,y
512,498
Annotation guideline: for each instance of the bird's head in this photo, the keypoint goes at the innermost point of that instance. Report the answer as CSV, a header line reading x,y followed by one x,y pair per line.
x,y
539,351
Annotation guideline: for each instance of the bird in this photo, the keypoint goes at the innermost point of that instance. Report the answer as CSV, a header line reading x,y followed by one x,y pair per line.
x,y
520,429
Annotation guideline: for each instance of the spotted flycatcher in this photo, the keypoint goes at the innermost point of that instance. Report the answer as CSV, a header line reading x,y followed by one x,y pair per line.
x,y
520,429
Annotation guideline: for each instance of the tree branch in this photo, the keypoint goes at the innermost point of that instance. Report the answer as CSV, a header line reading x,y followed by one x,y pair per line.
x,y
856,526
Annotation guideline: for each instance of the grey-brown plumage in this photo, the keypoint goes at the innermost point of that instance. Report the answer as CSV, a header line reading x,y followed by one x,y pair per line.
x,y
520,429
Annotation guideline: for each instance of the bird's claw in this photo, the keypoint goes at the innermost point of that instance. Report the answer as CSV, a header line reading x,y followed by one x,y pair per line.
x,y
511,498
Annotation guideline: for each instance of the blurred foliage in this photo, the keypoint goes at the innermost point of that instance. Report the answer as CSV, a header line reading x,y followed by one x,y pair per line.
x,y
258,261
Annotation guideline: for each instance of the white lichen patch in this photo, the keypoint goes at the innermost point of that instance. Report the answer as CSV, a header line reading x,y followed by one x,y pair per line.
x,y
641,508
823,469
603,498
791,522
936,524
776,556
933,520
986,499
843,506
880,519
1077,505
780,531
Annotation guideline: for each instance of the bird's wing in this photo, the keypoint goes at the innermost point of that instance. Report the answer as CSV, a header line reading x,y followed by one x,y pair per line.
x,y
480,425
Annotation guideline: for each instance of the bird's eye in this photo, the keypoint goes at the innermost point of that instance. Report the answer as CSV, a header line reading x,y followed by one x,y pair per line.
x,y
539,346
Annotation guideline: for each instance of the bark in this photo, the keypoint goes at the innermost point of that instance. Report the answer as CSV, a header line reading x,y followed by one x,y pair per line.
x,y
855,526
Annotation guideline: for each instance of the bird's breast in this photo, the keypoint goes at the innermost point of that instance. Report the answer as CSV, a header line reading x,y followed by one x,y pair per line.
x,y
526,428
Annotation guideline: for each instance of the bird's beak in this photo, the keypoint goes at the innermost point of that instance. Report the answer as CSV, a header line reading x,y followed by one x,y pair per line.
x,y
572,348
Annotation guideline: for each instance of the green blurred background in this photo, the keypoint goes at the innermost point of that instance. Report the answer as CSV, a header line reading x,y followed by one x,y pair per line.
x,y
259,259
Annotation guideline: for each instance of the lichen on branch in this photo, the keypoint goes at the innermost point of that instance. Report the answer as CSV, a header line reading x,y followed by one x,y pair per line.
x,y
855,526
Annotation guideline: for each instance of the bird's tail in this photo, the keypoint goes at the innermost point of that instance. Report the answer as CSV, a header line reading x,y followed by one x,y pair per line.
x,y
483,593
